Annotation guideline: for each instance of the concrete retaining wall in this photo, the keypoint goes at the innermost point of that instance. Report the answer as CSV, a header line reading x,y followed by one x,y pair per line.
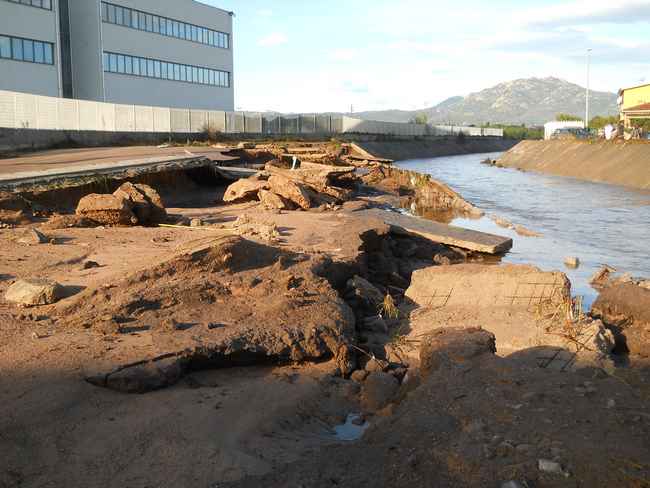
x,y
26,111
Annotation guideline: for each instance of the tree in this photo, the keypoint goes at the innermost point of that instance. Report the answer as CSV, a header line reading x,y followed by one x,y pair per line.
x,y
420,119
600,122
567,118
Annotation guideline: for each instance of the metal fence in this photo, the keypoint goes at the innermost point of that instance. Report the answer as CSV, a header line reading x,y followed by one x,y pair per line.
x,y
26,111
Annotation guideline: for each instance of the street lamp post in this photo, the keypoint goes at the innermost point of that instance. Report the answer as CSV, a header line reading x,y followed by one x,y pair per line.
x,y
587,94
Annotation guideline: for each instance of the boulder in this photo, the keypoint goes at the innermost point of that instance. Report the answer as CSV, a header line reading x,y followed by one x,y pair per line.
x,y
294,192
106,210
379,389
367,295
245,189
446,347
273,201
34,292
33,236
145,202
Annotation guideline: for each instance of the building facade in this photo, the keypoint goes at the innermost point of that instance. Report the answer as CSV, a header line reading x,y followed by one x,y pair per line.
x,y
141,52
634,103
29,39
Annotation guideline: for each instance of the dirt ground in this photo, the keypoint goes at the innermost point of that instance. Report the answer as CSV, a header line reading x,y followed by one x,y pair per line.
x,y
228,353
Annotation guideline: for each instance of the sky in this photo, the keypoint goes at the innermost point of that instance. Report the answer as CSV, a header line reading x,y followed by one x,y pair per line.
x,y
316,56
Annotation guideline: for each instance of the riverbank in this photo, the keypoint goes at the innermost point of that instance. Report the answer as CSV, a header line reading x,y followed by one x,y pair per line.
x,y
617,163
431,148
226,331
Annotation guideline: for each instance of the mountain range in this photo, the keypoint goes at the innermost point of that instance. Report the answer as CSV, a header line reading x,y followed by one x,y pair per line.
x,y
530,101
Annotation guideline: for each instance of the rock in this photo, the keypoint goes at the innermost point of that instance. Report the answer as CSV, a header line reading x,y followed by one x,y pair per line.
x,y
272,201
290,190
376,366
32,237
91,265
245,189
446,347
572,262
359,375
66,222
378,391
367,295
144,201
374,324
106,210
551,467
512,484
522,231
196,223
143,378
601,277
34,292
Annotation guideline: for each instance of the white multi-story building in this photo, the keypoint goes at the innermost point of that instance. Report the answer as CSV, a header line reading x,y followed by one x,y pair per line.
x,y
143,52
29,40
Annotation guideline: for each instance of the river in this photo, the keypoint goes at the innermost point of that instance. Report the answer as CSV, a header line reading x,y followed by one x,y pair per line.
x,y
598,223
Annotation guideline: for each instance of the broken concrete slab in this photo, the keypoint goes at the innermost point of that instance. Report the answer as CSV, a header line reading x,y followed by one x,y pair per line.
x,y
488,286
273,201
290,190
106,210
246,188
443,233
34,292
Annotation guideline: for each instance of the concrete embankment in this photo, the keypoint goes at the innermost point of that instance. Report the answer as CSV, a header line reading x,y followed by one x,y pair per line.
x,y
618,163
400,150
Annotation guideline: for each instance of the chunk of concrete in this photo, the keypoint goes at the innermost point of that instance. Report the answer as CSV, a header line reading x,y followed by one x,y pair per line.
x,y
273,201
144,201
33,237
290,190
379,389
34,292
106,209
245,189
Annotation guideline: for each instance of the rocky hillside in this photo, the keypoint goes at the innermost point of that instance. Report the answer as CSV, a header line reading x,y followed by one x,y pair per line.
x,y
531,101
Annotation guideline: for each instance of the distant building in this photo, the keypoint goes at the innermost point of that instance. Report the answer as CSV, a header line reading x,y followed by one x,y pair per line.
x,y
551,128
634,103
142,52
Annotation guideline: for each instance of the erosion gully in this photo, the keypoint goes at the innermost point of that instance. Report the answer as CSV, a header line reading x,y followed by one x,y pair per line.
x,y
598,223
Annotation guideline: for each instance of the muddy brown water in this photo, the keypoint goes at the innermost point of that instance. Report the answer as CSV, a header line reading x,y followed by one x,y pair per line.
x,y
598,223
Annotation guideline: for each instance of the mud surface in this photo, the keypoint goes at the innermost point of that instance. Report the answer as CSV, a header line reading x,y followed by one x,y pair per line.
x,y
136,376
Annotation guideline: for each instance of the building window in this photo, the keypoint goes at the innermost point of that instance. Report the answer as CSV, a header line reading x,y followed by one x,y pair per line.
x,y
162,70
28,50
45,4
114,14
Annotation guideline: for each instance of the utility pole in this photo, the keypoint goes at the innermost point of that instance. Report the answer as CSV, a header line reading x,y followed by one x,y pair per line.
x,y
587,94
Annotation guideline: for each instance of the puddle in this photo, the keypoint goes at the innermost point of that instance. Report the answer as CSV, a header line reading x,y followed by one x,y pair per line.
x,y
351,430
598,223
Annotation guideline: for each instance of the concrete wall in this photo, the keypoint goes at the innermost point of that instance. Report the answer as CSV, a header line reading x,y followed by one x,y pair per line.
x,y
25,111
85,46
30,23
128,89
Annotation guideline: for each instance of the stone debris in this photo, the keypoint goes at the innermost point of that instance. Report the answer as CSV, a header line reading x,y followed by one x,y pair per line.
x,y
33,237
34,292
106,210
364,294
291,191
572,262
245,189
551,467
144,201
273,201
